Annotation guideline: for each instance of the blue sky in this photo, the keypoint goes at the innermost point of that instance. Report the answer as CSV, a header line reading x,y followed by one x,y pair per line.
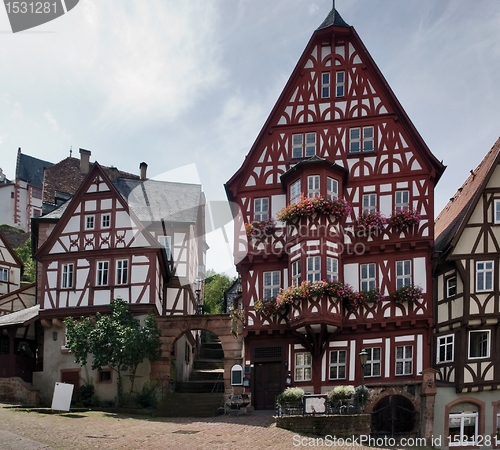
x,y
191,83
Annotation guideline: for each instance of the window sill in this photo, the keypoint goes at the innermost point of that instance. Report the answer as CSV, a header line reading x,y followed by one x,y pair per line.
x,y
361,154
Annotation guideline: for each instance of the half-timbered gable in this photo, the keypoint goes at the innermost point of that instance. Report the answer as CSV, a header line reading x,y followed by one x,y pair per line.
x,y
10,267
466,294
336,135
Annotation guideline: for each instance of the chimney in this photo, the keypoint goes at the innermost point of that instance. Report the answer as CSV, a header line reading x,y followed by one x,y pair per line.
x,y
84,161
113,174
144,167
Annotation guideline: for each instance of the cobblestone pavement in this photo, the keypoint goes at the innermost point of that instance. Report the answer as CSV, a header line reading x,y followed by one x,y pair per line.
x,y
103,430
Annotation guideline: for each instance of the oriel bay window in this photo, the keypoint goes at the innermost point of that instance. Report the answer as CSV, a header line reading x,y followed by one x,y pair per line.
x,y
332,188
102,273
332,269
313,186
295,192
303,366
296,273
313,268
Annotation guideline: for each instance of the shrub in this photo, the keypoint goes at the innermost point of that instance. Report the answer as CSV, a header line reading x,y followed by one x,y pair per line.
x,y
146,398
87,397
362,395
339,394
291,396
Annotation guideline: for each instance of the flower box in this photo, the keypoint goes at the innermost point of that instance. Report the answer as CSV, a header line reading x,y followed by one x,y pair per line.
x,y
409,293
403,220
306,206
260,228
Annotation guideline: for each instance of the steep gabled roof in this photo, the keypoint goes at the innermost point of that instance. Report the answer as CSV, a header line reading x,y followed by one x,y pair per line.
x,y
451,220
333,19
6,245
31,169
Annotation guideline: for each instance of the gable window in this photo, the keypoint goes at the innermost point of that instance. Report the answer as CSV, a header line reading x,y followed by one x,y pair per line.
x,y
299,150
261,209
361,139
368,278
295,192
340,83
451,287
122,271
373,362
105,220
332,188
102,273
497,211
313,186
404,360
338,364
296,272
67,276
313,268
165,242
403,273
484,276
332,268
303,366
325,85
479,344
4,275
369,204
89,222
402,201
445,348
272,283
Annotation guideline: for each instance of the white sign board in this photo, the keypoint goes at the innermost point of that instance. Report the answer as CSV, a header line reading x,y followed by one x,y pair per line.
x,y
61,400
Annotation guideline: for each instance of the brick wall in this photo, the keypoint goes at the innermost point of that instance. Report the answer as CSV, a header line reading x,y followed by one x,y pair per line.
x,y
339,426
15,390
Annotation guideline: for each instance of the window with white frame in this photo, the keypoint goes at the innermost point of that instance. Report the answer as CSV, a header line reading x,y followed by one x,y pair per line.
x,y
338,364
402,201
102,273
122,271
404,360
445,348
303,145
303,366
332,268
463,428
310,144
451,287
368,278
67,276
340,83
484,276
272,283
105,220
497,211
89,222
261,208
313,186
297,145
369,203
373,362
4,275
325,85
479,344
332,188
313,268
166,243
403,273
295,192
296,272
361,139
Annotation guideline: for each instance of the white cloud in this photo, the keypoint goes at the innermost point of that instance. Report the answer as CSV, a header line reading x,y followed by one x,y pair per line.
x,y
51,120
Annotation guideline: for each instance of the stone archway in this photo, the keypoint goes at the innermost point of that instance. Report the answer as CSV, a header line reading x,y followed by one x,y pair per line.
x,y
173,327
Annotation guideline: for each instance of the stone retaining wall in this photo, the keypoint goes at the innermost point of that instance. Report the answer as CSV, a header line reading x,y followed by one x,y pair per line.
x,y
15,390
341,426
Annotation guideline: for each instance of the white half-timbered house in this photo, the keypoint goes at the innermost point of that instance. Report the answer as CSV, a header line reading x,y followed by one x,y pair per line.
x,y
467,310
138,240
339,132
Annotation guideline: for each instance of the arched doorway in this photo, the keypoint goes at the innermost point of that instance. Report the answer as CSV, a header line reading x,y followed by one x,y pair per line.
x,y
393,415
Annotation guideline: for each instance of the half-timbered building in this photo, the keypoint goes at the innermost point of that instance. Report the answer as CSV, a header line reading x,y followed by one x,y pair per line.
x,y
337,135
139,240
10,268
466,290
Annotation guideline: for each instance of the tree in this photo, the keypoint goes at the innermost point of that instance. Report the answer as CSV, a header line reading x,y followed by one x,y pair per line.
x,y
24,254
116,340
215,285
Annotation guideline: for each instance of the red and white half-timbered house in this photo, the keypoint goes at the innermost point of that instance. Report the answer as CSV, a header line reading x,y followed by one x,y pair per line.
x,y
134,239
467,310
337,151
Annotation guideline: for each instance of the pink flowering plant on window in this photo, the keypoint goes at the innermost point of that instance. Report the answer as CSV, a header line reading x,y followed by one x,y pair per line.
x,y
306,206
401,220
373,295
267,306
409,294
369,222
260,228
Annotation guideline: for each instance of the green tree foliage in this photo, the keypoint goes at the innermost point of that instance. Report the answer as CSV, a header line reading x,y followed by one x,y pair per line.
x,y
215,285
117,341
24,254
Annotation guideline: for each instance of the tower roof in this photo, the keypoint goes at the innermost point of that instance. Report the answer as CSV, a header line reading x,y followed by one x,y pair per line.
x,y
333,18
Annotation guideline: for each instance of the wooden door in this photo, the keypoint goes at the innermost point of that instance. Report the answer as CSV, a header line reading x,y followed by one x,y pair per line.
x,y
268,380
72,377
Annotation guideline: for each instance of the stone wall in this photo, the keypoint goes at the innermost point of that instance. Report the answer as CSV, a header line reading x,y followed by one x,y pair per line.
x,y
339,426
15,390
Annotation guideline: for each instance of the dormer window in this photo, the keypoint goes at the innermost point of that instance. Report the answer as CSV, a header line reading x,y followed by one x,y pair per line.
x,y
313,186
295,192
361,139
299,150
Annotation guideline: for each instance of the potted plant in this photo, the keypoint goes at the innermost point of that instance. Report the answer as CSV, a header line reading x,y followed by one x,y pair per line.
x,y
368,223
260,228
408,293
307,206
404,220
339,396
290,400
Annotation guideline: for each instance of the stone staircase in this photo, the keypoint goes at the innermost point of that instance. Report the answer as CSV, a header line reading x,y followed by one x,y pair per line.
x,y
203,394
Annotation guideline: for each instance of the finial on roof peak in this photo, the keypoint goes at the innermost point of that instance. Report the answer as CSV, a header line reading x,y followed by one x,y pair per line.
x,y
333,18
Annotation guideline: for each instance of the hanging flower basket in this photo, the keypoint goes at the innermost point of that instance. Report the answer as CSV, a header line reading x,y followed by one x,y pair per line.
x,y
260,228
403,220
267,307
368,223
306,206
407,294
